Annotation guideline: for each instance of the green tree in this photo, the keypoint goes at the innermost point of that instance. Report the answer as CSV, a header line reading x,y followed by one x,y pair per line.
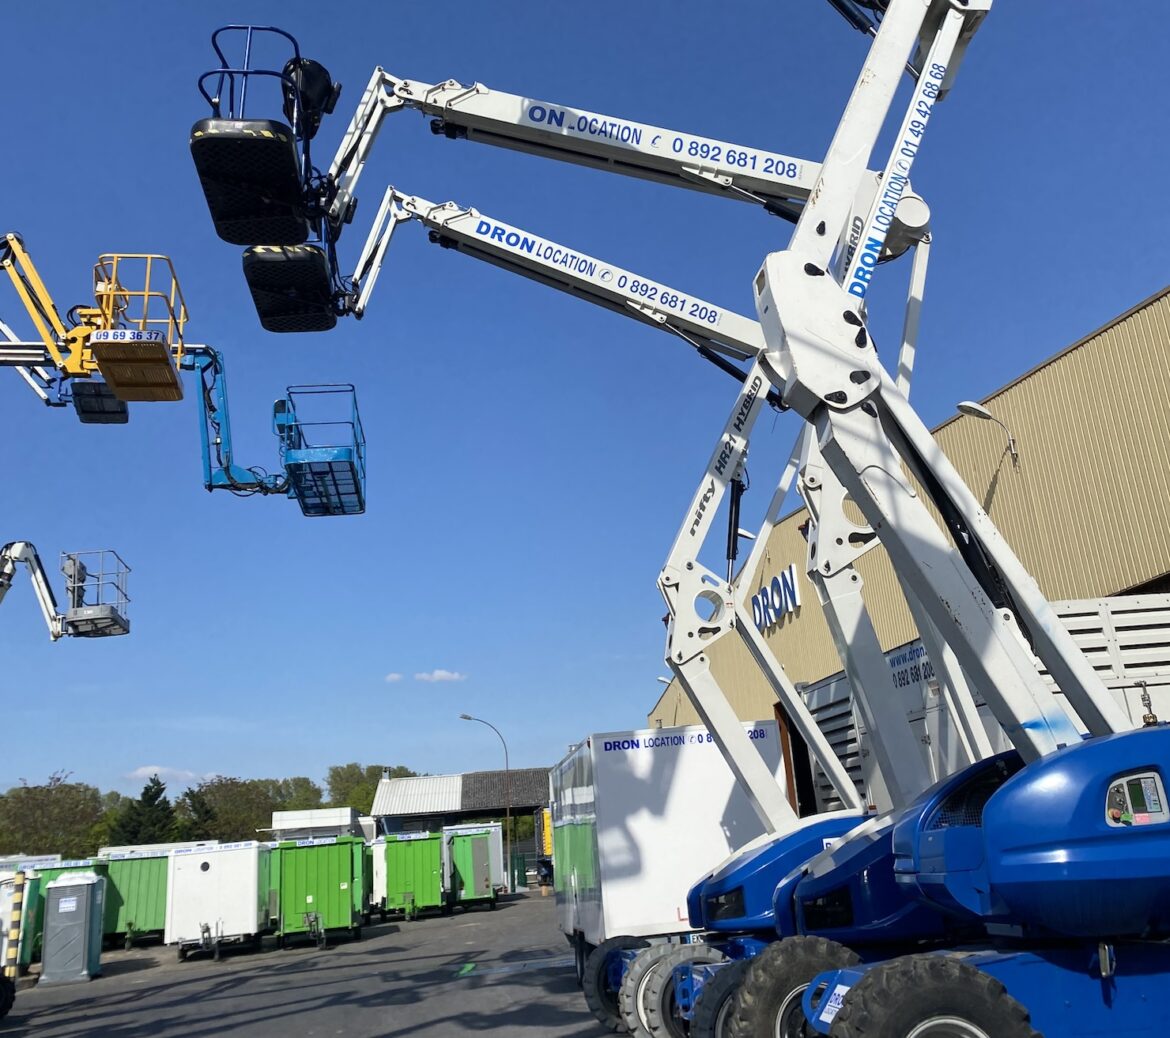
x,y
293,794
233,808
57,817
194,816
353,785
149,819
101,834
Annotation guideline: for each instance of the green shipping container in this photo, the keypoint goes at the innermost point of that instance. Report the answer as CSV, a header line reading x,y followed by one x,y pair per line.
x,y
326,878
136,895
471,869
414,872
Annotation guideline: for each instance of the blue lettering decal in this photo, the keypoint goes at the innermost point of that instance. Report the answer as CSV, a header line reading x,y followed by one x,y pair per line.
x,y
792,596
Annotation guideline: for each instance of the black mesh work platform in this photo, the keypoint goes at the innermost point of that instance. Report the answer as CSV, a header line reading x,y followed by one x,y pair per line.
x,y
291,287
251,179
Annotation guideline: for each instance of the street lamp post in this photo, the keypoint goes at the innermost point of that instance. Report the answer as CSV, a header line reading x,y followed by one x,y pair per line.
x,y
974,410
507,797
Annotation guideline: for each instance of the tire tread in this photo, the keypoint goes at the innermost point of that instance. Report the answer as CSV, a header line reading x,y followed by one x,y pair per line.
x,y
872,1004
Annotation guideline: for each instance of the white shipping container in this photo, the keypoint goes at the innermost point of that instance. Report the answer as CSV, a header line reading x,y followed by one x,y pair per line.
x,y
12,864
151,848
638,818
224,887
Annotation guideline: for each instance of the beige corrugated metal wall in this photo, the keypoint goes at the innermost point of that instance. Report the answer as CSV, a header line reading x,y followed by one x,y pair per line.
x,y
1087,509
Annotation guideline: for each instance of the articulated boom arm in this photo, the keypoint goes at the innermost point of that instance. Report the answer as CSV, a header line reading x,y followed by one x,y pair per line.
x,y
220,472
25,278
715,332
778,182
25,553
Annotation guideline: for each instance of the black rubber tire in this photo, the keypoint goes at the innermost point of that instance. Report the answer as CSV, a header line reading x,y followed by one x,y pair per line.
x,y
602,1000
771,989
581,950
713,1006
631,997
897,996
182,953
7,995
662,1018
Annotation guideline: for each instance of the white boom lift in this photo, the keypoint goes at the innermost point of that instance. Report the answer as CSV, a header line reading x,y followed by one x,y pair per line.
x,y
717,333
97,594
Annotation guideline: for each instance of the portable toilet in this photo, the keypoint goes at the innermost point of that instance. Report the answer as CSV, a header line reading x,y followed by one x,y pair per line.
x,y
413,872
217,895
324,886
72,948
136,895
470,876
34,898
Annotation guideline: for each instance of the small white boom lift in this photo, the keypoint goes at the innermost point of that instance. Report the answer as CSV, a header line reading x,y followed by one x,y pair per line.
x,y
95,589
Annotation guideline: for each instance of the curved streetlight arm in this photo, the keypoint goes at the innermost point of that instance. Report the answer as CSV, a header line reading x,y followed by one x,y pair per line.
x,y
974,410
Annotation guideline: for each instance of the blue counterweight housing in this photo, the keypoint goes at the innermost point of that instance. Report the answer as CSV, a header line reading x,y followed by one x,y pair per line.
x,y
849,895
942,828
1076,844
737,896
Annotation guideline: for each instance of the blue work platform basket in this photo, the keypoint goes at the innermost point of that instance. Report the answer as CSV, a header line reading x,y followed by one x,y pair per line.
x,y
323,449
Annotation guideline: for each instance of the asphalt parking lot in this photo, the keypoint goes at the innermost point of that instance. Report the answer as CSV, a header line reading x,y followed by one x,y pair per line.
x,y
480,972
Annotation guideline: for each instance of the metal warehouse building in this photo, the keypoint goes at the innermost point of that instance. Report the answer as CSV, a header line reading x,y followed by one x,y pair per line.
x,y
1086,507
429,802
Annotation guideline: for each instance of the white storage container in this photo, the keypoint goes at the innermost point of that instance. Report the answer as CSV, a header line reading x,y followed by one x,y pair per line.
x,y
638,818
155,848
224,888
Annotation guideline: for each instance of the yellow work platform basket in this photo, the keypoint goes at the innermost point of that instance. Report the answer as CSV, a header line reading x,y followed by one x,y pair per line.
x,y
138,343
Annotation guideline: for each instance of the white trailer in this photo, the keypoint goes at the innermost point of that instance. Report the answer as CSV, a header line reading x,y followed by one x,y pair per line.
x,y
217,895
637,816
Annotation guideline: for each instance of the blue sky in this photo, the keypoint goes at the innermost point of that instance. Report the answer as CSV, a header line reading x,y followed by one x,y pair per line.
x,y
530,457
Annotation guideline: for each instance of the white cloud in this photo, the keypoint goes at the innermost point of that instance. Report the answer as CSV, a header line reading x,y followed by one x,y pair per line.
x,y
438,674
392,677
171,776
